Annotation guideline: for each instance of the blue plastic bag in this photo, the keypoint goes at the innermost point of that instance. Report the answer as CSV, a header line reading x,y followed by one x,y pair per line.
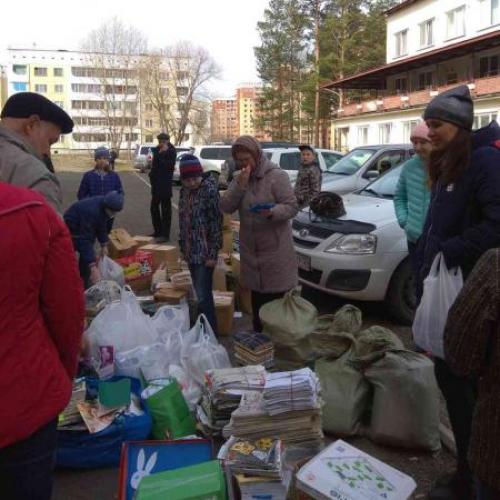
x,y
80,449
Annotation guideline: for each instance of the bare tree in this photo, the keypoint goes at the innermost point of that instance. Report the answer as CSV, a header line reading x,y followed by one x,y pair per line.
x,y
113,51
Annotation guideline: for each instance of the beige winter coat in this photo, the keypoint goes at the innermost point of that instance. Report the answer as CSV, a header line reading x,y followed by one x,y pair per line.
x,y
21,166
268,259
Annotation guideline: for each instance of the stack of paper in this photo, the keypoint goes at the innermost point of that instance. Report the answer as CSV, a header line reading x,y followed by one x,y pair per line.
x,y
252,487
182,280
252,348
252,421
290,391
342,471
70,418
223,391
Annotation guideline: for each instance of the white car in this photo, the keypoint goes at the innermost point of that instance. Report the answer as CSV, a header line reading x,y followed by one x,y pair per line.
x,y
211,157
362,255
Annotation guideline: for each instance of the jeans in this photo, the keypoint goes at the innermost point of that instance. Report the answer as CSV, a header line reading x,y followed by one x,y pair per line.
x,y
161,216
258,300
202,277
26,467
486,492
460,396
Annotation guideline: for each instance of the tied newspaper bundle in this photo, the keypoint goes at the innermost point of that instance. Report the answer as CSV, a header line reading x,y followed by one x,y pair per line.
x,y
255,466
293,399
223,391
252,348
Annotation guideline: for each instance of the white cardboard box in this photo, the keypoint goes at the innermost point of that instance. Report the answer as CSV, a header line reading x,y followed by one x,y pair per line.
x,y
342,472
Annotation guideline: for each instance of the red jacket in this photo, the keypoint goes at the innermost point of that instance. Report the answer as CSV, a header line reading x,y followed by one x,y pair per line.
x,y
41,313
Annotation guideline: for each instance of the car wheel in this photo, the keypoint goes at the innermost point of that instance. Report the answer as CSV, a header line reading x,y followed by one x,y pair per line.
x,y
401,300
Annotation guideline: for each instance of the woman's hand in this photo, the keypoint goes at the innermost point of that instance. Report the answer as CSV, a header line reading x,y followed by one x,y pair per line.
x,y
267,214
244,177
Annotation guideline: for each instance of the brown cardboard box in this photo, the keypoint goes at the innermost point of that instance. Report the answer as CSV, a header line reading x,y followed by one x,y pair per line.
x,y
167,293
236,264
224,309
162,254
144,240
121,244
140,285
227,238
219,280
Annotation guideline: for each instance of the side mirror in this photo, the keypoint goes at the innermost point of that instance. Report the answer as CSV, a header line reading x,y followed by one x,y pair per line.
x,y
372,174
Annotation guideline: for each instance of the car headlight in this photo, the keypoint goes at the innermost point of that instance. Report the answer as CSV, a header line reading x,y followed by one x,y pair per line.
x,y
354,244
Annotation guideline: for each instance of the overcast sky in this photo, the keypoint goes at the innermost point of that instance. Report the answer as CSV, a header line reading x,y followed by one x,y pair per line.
x,y
226,28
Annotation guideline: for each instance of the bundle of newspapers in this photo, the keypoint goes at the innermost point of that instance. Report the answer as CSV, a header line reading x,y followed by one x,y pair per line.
x,y
223,391
288,409
251,348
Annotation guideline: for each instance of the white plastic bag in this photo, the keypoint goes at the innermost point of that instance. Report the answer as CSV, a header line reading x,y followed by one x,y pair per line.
x,y
122,325
441,288
152,360
169,319
190,389
201,351
111,271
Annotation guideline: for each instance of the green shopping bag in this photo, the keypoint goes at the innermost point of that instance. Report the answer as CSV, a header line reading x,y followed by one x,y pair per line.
x,y
170,413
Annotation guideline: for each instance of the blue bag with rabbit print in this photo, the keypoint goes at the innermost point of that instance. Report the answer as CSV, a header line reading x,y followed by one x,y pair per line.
x,y
81,449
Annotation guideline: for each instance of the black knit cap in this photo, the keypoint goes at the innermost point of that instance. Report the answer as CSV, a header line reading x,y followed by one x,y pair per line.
x,y
26,104
453,106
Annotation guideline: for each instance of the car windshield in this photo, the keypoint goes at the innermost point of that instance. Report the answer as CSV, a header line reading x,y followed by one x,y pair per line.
x,y
385,186
352,162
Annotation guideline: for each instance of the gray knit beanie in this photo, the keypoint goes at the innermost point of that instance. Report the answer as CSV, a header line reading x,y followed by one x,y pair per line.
x,y
453,106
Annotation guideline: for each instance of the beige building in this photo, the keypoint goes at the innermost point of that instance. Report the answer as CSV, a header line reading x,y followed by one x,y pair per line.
x,y
247,98
224,120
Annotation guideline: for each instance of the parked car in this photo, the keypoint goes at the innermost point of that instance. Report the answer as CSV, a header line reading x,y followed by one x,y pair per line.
x,y
288,159
211,157
362,255
362,165
141,156
180,151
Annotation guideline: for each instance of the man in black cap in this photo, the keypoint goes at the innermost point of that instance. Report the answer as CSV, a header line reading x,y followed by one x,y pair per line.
x,y
29,125
162,171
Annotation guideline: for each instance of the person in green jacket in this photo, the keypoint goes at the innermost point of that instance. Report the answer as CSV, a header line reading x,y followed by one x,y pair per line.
x,y
412,197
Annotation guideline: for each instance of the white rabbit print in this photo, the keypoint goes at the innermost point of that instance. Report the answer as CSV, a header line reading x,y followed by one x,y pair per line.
x,y
143,470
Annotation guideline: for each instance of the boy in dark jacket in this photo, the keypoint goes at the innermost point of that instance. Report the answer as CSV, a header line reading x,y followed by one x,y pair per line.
x,y
162,171
200,230
101,180
309,178
87,221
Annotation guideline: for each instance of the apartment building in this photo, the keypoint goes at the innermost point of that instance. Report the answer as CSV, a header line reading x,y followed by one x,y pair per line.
x,y
247,98
432,45
224,120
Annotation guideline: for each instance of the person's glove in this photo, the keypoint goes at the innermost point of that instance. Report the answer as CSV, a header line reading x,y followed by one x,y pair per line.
x,y
95,274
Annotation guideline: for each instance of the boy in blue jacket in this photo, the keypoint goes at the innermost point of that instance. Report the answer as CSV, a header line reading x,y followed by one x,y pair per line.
x,y
88,220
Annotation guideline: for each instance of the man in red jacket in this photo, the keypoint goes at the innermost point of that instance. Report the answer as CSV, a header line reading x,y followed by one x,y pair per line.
x,y
41,323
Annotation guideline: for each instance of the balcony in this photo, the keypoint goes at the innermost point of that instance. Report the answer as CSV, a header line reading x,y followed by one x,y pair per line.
x,y
479,87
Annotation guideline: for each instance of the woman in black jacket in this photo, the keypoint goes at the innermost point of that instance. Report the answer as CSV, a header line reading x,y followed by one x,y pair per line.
x,y
463,222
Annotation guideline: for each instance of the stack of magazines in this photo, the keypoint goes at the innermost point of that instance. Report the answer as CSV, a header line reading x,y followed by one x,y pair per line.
x,y
252,348
70,418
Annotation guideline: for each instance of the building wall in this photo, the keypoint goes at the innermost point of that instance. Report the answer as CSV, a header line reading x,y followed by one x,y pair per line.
x,y
224,120
477,21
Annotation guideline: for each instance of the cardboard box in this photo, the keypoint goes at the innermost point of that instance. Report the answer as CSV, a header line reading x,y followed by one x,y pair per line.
x,y
227,242
162,254
236,264
219,280
168,294
121,244
141,285
137,268
244,296
224,309
144,240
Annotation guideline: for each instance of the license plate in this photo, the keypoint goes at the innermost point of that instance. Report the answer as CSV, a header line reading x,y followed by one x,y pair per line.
x,y
304,262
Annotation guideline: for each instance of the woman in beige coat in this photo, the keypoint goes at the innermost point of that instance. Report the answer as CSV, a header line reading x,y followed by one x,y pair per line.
x,y
266,202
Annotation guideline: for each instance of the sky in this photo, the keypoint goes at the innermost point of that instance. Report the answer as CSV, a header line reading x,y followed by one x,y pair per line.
x,y
226,28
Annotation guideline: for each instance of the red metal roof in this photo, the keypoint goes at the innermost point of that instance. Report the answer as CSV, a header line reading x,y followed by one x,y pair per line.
x,y
400,6
376,78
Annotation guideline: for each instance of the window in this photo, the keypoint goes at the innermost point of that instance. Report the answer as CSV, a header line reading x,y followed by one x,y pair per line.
x,y
427,33
384,133
388,160
58,89
41,88
401,85
425,80
488,66
330,159
149,107
408,126
489,11
215,153
19,69
401,43
58,72
290,161
149,138
149,123
455,22
484,119
40,71
363,135
182,91
20,86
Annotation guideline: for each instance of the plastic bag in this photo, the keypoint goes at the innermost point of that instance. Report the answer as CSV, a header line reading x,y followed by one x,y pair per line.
x,y
190,389
290,319
101,294
122,325
169,319
111,271
345,392
151,362
202,352
441,288
405,409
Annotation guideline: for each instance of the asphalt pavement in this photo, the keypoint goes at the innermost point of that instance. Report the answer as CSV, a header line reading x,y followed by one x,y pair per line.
x,y
103,484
